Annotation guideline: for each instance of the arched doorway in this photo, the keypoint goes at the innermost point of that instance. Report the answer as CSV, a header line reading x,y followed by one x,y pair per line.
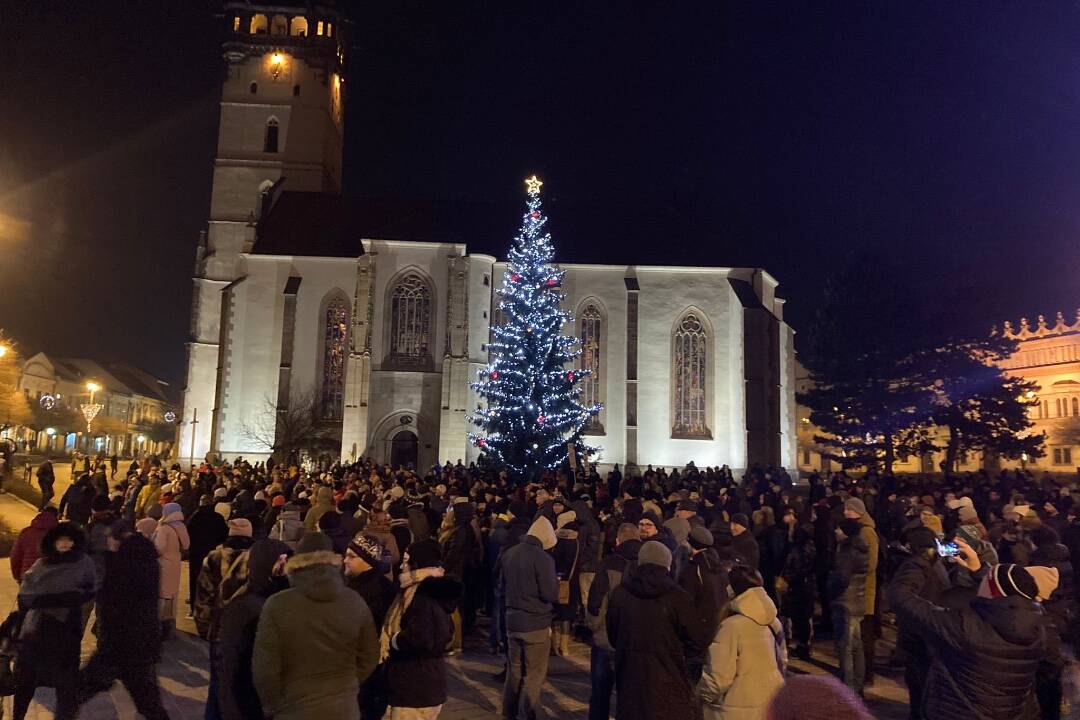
x,y
404,448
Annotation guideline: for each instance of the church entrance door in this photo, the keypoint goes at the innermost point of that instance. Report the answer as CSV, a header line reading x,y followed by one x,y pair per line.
x,y
404,449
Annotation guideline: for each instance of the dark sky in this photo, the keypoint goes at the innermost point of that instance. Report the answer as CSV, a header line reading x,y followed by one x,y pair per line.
x,y
943,136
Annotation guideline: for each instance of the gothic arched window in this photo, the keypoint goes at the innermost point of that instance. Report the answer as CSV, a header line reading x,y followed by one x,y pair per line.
x,y
270,144
590,325
689,395
410,321
335,334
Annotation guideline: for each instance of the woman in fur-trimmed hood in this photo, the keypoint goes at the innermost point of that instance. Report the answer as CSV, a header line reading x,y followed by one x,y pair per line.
x,y
316,642
50,599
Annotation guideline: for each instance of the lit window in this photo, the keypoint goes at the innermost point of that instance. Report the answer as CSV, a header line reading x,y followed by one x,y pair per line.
x,y
590,326
259,24
335,334
329,29
299,26
279,25
1063,456
270,145
410,321
319,28
236,23
1076,406
688,360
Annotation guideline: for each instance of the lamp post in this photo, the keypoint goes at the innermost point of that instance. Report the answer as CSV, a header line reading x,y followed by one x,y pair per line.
x,y
90,409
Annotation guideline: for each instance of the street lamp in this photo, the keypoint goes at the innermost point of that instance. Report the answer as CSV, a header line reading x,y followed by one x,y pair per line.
x,y
90,409
3,350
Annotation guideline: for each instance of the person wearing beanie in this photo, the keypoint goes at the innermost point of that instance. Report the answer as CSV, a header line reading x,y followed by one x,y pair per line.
x,y
846,589
816,697
171,540
530,587
855,509
367,567
567,554
653,627
743,543
316,642
415,633
985,653
742,671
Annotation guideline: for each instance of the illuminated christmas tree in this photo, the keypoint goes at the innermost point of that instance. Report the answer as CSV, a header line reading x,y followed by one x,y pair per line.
x,y
533,416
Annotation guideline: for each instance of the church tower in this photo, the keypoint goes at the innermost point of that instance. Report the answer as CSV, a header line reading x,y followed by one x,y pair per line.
x,y
280,128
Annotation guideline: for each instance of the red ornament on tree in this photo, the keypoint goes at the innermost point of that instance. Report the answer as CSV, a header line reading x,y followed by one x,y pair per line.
x,y
535,214
570,376
540,419
494,374
480,442
552,282
515,277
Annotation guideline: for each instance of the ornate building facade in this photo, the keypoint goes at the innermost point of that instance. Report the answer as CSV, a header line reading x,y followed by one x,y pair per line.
x,y
381,321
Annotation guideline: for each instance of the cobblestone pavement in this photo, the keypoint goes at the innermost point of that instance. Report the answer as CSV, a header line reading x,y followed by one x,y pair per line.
x,y
474,694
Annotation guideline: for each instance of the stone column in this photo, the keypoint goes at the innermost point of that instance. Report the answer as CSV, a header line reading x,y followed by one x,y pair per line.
x,y
455,367
354,424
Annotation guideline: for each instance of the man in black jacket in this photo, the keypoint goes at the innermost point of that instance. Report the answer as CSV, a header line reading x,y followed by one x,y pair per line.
x,y
743,543
602,658
531,587
705,579
984,656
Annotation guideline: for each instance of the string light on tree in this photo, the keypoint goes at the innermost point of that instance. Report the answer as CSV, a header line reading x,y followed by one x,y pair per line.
x,y
533,413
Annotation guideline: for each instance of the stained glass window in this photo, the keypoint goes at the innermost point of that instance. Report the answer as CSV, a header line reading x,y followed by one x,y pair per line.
x,y
590,336
410,321
334,344
688,389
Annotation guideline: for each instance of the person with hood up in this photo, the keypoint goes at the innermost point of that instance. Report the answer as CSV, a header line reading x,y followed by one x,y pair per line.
x,y
602,656
50,602
747,658
531,587
288,527
743,542
27,548
705,579
652,625
244,594
316,641
415,633
76,504
985,655
847,601
324,503
855,509
367,564
129,641
680,531
171,540
206,530
798,601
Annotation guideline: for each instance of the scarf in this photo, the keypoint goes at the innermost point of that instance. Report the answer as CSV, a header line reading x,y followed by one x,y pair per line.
x,y
409,581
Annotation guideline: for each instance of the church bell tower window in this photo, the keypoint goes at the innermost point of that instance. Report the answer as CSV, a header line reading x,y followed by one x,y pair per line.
x,y
591,324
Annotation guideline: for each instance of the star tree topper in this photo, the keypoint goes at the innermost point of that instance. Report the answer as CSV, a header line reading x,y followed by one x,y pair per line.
x,y
533,185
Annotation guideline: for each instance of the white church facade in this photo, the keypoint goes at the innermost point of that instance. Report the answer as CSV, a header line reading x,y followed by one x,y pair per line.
x,y
303,295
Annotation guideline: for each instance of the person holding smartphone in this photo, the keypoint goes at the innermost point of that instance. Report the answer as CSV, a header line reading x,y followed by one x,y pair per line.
x,y
983,657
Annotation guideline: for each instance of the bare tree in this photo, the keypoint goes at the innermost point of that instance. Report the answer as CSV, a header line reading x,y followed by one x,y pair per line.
x,y
285,429
14,407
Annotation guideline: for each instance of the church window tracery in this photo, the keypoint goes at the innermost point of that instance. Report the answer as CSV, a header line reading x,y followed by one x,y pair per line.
x,y
690,378
410,321
590,326
335,334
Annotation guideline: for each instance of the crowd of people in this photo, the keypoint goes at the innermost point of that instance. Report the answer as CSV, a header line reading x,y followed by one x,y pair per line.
x,y
341,593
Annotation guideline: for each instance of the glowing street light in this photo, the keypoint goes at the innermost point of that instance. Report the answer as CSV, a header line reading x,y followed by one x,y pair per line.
x,y
91,409
3,350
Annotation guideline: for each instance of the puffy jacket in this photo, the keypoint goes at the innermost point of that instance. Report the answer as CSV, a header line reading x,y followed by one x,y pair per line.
x,y
652,625
742,671
415,668
171,540
847,579
984,656
27,548
528,578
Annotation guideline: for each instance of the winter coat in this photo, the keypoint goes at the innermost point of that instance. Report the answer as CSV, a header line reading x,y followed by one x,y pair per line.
x,y
742,672
458,551
984,656
27,548
206,529
315,644
221,562
170,539
847,578
566,558
416,669
148,497
77,500
288,528
706,580
529,583
590,536
798,573
242,604
97,535
127,604
652,625
50,600
868,532
377,591
609,575
745,547
324,503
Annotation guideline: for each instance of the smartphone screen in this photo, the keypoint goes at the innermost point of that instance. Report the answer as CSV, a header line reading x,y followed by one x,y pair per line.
x,y
947,549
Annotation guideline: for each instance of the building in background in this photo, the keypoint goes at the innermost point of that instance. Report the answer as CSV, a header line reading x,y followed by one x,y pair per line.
x,y
374,316
1048,355
138,411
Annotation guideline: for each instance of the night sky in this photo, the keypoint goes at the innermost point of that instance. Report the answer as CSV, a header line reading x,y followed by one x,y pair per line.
x,y
944,137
